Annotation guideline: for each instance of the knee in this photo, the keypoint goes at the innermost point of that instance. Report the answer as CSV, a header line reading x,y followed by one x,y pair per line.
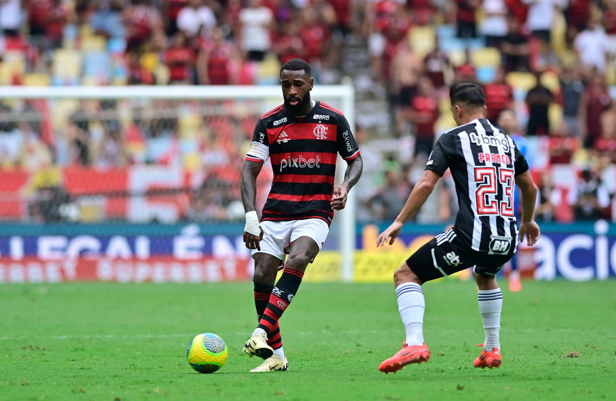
x,y
298,261
405,275
263,274
486,283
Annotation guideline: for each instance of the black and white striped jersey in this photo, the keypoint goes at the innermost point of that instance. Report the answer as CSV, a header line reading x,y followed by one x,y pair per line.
x,y
483,162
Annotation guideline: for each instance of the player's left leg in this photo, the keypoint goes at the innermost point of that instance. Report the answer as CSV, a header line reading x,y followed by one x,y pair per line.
x,y
490,306
301,253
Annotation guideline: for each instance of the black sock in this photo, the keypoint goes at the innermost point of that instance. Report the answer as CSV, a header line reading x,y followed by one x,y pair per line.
x,y
262,296
281,297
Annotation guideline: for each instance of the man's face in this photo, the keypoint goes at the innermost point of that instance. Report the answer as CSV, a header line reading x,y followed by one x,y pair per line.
x,y
507,122
296,87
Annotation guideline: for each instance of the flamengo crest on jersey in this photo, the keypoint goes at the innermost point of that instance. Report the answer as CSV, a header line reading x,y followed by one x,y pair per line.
x,y
303,155
483,162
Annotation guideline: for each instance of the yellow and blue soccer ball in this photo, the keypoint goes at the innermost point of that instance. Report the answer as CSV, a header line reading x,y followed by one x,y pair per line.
x,y
207,353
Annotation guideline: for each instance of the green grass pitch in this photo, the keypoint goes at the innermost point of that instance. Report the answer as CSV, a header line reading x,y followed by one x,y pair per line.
x,y
128,342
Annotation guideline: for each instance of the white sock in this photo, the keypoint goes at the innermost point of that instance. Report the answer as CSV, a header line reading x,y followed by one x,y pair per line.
x,y
279,352
490,306
259,331
411,305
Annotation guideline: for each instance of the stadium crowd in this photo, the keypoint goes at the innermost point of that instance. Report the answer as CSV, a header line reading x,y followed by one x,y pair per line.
x,y
547,68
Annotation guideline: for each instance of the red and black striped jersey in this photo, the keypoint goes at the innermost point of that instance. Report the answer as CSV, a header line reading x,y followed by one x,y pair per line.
x,y
303,155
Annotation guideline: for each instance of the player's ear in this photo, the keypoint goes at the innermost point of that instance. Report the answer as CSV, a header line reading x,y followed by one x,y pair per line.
x,y
311,84
485,110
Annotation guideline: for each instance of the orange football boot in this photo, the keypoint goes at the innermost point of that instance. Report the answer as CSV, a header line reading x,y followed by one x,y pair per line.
x,y
488,359
407,355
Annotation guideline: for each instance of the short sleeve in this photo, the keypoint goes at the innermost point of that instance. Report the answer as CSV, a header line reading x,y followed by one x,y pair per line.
x,y
437,161
521,165
347,147
259,149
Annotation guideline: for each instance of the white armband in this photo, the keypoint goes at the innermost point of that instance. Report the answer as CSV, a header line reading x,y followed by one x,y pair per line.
x,y
252,224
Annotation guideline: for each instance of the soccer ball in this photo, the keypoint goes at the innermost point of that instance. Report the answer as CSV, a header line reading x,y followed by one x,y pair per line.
x,y
207,353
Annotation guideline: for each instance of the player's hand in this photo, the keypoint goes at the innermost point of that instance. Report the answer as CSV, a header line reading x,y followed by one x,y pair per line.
x,y
390,234
252,241
340,197
531,231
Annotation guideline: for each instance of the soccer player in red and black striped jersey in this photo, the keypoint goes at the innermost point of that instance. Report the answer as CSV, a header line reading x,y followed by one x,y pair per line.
x,y
302,138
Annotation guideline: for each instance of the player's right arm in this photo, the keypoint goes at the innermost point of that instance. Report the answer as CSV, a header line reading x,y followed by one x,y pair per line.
x,y
257,155
435,168
528,194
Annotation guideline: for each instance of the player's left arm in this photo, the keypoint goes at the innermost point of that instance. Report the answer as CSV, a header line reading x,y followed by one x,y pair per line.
x,y
528,194
348,149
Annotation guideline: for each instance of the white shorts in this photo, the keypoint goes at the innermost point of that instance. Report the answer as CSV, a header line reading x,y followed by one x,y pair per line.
x,y
279,235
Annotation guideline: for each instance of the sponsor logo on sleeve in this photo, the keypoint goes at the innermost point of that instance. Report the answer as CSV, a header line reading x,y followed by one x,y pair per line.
x,y
347,141
261,137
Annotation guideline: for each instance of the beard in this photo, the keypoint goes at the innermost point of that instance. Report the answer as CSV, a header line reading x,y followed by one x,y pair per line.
x,y
299,108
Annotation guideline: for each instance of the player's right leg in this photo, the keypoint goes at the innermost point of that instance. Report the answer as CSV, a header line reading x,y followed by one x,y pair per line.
x,y
266,267
490,306
411,305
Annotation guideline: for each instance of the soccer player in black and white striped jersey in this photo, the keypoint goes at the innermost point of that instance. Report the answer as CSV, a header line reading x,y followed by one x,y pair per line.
x,y
485,164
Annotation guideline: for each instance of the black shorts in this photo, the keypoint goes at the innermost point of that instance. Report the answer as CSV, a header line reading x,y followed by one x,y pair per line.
x,y
542,34
446,254
256,55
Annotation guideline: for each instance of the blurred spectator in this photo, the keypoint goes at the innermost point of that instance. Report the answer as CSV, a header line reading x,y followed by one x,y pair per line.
x,y
11,141
384,20
10,15
137,73
36,13
344,16
142,21
571,87
436,63
315,35
562,145
107,19
609,24
592,47
605,145
466,71
540,21
499,96
196,17
180,59
218,61
53,204
515,48
171,10
79,136
407,68
256,21
589,198
110,152
577,15
423,113
54,20
538,100
324,12
465,18
494,24
594,101
289,44
422,11
549,199
389,200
